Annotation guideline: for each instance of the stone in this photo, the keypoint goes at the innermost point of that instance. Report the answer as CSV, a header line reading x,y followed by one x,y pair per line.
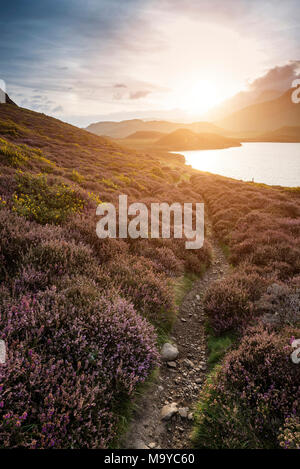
x,y
2,352
152,445
183,412
171,364
190,416
183,320
275,289
189,363
169,352
168,411
271,319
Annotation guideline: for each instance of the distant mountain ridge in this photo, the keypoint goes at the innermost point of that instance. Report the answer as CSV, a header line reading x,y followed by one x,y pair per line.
x,y
185,139
284,134
146,135
239,101
264,117
127,127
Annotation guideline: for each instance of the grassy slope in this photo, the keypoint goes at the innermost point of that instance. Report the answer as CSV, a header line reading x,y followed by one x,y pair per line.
x,y
46,165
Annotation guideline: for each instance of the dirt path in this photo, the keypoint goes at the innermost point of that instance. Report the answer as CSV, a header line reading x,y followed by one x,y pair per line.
x,y
179,384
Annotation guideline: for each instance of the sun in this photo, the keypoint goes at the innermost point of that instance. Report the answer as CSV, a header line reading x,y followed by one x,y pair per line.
x,y
200,97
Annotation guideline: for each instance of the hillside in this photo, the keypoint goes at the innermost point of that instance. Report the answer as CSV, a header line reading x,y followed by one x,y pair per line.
x,y
238,102
84,319
81,317
284,134
184,139
264,117
125,128
145,135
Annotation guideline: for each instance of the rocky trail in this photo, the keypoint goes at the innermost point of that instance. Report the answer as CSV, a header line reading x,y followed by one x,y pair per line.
x,y
164,414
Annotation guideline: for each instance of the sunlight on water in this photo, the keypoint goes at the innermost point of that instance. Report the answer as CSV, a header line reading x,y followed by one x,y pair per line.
x,y
270,163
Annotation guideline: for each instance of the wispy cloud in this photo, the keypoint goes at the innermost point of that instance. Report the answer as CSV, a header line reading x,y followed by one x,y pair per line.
x,y
139,94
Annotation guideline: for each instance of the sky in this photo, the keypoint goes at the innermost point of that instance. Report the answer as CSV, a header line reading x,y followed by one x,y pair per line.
x,y
85,61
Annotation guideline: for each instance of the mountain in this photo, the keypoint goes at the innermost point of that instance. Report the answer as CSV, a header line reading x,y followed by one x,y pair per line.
x,y
240,101
125,128
264,117
145,135
184,139
284,134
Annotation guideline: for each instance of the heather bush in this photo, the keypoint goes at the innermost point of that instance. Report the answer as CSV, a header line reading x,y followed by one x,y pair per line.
x,y
250,397
195,261
68,368
29,279
289,437
149,291
227,306
82,228
17,236
81,291
163,258
59,257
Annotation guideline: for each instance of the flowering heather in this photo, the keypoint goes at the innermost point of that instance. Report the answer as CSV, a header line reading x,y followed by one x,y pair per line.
x,y
289,438
75,310
247,402
148,290
79,363
252,401
227,306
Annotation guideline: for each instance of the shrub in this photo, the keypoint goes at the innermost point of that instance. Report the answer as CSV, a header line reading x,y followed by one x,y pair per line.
x,y
84,228
67,369
59,257
289,438
76,176
39,200
163,258
248,400
227,306
148,290
17,236
109,183
12,154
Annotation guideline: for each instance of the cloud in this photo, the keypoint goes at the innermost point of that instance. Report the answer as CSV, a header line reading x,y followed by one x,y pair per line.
x,y
103,57
139,94
57,109
277,78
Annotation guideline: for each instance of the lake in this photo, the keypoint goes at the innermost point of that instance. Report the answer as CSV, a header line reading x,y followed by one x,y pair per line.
x,y
270,163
